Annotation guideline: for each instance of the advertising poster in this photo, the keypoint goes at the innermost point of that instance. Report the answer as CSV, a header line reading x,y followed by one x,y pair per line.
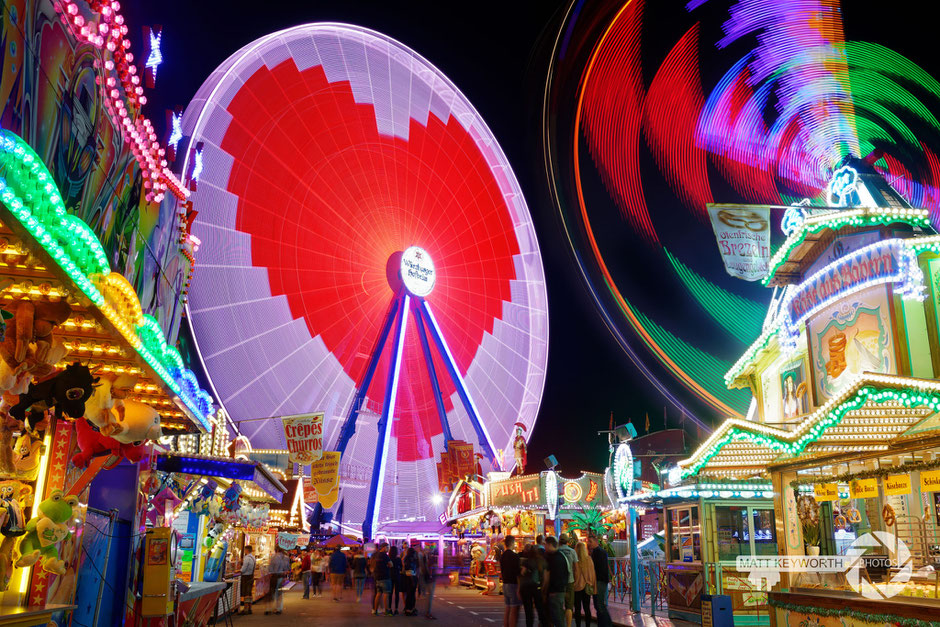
x,y
851,337
304,436
743,236
323,486
793,390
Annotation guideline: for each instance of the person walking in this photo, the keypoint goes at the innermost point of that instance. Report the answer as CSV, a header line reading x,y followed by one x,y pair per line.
x,y
572,557
319,573
359,564
279,570
248,579
395,572
532,568
382,573
306,571
410,580
585,583
602,574
338,566
509,574
427,579
556,580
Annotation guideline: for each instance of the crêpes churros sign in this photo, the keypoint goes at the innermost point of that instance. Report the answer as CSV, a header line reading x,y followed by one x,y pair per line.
x,y
304,436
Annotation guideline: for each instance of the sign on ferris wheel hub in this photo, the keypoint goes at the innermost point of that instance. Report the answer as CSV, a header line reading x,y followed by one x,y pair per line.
x,y
417,271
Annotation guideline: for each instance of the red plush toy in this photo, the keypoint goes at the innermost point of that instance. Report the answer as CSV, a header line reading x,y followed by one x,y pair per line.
x,y
92,444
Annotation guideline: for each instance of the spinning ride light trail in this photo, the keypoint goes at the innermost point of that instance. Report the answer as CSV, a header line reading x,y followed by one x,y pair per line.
x,y
763,115
366,252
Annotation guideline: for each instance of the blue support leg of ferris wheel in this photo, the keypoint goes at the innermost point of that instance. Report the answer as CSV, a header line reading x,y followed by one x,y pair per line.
x,y
435,384
385,423
482,435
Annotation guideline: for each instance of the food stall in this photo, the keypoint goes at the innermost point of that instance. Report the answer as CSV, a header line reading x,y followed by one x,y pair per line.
x,y
845,424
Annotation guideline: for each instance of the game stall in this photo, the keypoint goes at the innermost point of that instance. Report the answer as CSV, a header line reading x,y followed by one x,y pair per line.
x,y
844,428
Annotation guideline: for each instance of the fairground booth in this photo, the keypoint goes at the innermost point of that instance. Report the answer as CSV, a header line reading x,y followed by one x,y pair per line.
x,y
844,431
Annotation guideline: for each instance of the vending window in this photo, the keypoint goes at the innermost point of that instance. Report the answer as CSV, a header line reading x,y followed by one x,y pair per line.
x,y
685,543
745,530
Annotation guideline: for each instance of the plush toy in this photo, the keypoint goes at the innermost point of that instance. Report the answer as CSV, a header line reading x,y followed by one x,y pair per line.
x,y
201,499
105,408
13,498
230,498
140,422
92,444
45,531
213,535
26,454
32,322
259,515
66,392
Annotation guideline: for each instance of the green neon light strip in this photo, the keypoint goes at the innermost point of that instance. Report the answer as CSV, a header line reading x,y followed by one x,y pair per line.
x,y
793,443
46,220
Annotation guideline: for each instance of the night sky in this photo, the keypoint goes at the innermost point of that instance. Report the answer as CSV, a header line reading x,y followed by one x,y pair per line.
x,y
496,53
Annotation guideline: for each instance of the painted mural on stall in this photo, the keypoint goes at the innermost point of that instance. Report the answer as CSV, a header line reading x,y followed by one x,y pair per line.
x,y
50,98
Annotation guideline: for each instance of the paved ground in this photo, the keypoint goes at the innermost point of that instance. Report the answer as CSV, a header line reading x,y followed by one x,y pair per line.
x,y
454,606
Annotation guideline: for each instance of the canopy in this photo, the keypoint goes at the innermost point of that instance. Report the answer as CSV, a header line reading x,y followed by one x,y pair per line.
x,y
341,540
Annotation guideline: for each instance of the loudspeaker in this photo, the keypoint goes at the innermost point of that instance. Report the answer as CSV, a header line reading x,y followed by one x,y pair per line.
x,y
550,462
625,432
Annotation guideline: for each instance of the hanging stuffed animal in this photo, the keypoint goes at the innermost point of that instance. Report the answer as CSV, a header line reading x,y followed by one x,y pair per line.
x,y
105,408
66,392
32,322
26,454
213,535
141,422
230,498
204,495
13,498
45,531
92,444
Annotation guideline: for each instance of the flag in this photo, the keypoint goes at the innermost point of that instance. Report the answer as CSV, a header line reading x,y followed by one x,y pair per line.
x,y
647,422
611,427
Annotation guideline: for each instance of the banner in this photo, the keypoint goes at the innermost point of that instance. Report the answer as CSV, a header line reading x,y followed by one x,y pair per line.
x,y
826,491
930,480
897,485
286,541
743,235
304,436
863,488
323,485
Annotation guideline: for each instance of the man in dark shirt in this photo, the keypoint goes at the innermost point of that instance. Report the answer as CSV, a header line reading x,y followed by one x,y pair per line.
x,y
337,574
382,573
555,582
602,571
509,573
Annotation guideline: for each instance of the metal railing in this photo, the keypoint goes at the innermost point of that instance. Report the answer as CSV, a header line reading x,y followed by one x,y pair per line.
x,y
652,584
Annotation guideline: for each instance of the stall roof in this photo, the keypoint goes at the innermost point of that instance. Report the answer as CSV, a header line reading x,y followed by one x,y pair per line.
x,y
226,468
874,413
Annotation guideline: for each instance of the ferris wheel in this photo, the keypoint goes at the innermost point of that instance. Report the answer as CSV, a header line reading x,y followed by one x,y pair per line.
x,y
366,251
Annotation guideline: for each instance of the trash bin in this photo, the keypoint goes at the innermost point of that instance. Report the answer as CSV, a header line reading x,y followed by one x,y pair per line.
x,y
716,611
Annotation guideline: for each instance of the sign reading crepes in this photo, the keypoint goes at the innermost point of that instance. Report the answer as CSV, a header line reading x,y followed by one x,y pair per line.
x,y
743,235
304,436
323,484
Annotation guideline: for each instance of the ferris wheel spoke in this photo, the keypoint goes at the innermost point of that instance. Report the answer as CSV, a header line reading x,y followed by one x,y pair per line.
x,y
385,421
483,435
435,384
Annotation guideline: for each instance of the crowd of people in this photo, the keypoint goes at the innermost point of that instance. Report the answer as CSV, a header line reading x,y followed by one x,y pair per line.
x,y
399,576
555,581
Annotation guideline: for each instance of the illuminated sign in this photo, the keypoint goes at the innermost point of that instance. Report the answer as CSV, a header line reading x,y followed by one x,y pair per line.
x,y
573,491
417,271
842,186
584,490
521,491
551,493
623,471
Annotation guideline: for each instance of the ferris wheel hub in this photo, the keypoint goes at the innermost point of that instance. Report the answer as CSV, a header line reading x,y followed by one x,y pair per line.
x,y
417,271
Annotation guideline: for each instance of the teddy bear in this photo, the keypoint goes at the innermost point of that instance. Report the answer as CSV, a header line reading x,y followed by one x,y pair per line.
x,y
45,531
67,392
92,443
14,495
32,322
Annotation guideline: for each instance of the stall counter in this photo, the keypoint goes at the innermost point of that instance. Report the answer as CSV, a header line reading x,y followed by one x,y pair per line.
x,y
834,610
30,615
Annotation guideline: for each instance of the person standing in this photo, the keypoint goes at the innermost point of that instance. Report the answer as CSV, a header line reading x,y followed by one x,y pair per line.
x,y
306,571
338,566
532,568
556,580
382,573
319,573
540,544
509,574
585,583
572,557
279,570
248,579
409,579
602,574
426,577
395,572
359,563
